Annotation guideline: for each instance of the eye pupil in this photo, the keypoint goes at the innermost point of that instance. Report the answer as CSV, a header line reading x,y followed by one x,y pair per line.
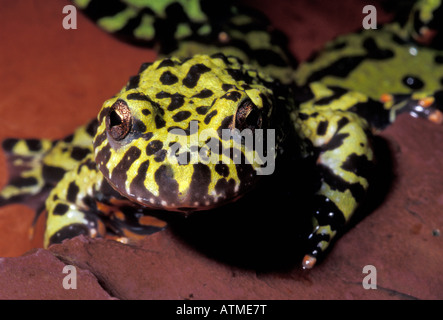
x,y
118,121
114,119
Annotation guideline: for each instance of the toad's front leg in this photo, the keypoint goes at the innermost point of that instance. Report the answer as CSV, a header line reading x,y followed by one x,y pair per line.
x,y
84,203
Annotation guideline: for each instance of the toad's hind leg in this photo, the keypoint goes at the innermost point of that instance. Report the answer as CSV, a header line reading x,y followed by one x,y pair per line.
x,y
345,159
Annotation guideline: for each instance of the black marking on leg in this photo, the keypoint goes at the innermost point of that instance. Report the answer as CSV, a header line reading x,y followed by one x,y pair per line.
x,y
8,144
79,153
60,209
21,182
359,165
327,213
52,174
33,144
69,232
72,193
338,183
322,127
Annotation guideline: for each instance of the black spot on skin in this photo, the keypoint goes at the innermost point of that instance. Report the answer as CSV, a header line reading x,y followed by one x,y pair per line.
x,y
201,178
147,136
374,52
322,128
338,183
239,75
91,128
340,68
153,147
222,169
102,158
79,153
335,142
413,82
138,126
52,174
69,232
159,122
327,213
168,78
438,59
100,138
103,113
60,209
210,116
227,87
133,82
202,109
160,156
337,93
162,95
181,115
96,10
146,112
137,96
232,95
342,122
221,56
68,139
33,144
144,66
177,100
225,124
194,74
225,188
303,116
166,63
20,182
360,165
205,93
8,144
73,190
137,185
167,185
119,173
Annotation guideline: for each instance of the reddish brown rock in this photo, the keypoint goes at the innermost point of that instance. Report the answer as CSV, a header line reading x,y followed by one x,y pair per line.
x,y
40,275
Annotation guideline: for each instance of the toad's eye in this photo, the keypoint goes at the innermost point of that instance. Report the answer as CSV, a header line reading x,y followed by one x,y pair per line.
x,y
118,121
248,116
